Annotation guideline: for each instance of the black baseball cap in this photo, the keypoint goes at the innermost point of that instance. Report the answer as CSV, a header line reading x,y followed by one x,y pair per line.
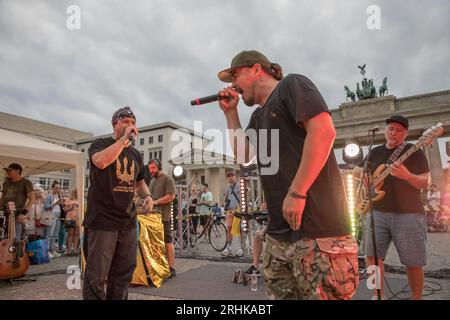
x,y
14,166
399,119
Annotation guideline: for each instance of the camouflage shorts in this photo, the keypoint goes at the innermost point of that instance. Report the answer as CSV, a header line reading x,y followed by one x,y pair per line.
x,y
319,269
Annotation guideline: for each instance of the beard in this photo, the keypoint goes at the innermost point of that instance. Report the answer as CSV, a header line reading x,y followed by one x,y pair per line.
x,y
154,174
250,99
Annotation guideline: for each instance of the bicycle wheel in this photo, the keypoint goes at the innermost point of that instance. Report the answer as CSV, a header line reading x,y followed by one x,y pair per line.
x,y
217,235
248,236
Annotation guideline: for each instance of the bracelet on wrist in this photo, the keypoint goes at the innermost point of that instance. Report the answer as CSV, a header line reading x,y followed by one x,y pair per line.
x,y
123,139
295,195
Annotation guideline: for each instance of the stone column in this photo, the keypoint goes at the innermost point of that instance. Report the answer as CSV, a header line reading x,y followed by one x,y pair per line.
x,y
208,177
222,184
433,155
188,177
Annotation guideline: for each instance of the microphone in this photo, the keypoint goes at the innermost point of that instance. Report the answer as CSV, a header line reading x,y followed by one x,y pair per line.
x,y
132,136
208,99
374,129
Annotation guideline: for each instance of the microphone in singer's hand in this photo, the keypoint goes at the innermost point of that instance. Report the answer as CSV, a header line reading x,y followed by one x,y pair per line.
x,y
208,99
132,136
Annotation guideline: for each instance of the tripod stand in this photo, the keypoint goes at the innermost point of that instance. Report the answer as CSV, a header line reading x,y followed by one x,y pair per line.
x,y
367,175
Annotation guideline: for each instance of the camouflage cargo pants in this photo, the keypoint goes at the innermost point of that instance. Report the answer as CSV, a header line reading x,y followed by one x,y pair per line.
x,y
319,269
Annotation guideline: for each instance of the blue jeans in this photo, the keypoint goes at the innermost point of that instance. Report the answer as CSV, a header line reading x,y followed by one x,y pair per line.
x,y
54,233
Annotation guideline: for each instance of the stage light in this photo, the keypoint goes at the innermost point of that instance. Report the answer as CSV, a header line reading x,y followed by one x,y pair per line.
x,y
171,217
243,185
351,202
352,154
179,173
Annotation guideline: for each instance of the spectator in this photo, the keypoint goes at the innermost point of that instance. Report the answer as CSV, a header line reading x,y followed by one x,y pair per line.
x,y
204,204
33,225
53,204
71,223
192,207
65,194
231,204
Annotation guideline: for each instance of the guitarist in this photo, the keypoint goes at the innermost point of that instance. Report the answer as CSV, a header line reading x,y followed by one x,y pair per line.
x,y
20,191
399,216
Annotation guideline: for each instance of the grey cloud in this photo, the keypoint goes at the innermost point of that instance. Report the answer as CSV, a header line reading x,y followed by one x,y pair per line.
x,y
158,55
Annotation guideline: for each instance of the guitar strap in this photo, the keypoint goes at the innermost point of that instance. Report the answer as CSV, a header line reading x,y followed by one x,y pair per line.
x,y
396,153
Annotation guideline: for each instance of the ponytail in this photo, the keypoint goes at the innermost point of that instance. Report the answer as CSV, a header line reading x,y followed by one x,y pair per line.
x,y
275,70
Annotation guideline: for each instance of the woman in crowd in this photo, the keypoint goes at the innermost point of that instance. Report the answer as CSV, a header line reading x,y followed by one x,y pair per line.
x,y
34,227
53,204
71,223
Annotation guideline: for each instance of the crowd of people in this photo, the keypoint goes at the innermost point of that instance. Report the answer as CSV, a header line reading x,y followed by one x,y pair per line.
x,y
42,214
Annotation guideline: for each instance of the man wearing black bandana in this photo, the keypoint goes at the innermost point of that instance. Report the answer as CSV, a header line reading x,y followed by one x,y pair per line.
x,y
117,172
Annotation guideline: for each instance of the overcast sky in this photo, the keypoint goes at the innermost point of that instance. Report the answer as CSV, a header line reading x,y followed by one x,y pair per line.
x,y
157,55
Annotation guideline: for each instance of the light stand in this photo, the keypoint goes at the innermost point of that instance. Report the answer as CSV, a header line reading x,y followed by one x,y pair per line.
x,y
367,170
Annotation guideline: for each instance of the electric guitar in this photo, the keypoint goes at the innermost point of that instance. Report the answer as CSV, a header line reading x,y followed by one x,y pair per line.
x,y
13,258
384,170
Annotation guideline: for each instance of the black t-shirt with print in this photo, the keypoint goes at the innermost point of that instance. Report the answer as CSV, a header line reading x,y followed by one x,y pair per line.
x,y
400,196
295,100
110,204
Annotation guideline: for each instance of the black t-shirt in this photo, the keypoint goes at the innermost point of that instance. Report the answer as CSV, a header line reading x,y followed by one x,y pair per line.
x,y
400,196
110,204
295,100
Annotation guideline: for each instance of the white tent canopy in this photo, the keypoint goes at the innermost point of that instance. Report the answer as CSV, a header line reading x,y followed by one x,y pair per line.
x,y
37,156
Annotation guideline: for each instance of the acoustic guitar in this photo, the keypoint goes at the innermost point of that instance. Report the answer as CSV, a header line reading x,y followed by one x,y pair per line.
x,y
13,259
384,170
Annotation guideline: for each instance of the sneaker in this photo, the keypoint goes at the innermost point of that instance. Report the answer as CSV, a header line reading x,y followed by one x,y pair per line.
x,y
50,255
226,252
56,254
240,253
172,273
252,269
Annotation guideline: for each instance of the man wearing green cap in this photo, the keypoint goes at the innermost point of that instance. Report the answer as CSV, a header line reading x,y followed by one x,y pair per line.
x,y
310,253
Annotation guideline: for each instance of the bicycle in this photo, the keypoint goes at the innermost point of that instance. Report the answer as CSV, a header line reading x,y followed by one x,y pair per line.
x,y
214,229
251,223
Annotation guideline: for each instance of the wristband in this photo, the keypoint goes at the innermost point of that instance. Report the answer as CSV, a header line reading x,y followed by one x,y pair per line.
x,y
295,195
123,140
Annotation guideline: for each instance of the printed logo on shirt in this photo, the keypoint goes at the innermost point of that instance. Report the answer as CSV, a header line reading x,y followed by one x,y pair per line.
x,y
125,176
10,193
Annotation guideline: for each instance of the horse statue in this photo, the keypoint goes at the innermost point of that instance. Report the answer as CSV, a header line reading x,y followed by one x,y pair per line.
x,y
383,89
373,90
358,91
350,94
